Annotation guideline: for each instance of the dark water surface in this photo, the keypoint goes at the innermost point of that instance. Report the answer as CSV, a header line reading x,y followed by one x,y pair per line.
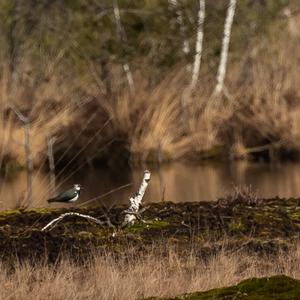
x,y
175,182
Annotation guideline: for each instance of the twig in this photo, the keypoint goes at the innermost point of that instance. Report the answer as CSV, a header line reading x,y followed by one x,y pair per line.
x,y
105,194
50,143
55,221
136,201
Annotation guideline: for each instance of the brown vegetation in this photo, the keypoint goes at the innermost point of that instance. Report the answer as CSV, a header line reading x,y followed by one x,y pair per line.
x,y
159,124
161,121
132,276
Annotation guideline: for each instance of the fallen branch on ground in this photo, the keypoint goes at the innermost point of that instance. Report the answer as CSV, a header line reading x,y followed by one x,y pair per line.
x,y
57,220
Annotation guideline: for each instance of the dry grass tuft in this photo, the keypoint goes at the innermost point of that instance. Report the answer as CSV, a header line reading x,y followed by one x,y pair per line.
x,y
241,195
135,277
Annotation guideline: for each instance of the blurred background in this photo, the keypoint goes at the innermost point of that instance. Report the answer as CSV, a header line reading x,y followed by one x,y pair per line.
x,y
203,93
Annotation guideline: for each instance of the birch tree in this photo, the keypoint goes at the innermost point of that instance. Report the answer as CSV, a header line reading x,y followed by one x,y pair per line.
x,y
186,96
136,201
225,47
122,38
182,28
199,42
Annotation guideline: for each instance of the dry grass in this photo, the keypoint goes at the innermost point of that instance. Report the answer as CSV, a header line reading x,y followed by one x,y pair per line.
x,y
134,277
241,194
267,114
48,107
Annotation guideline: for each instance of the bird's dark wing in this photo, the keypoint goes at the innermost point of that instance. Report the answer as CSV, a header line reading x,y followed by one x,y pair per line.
x,y
63,197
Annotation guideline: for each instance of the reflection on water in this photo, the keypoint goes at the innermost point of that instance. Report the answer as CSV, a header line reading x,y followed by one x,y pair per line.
x,y
174,182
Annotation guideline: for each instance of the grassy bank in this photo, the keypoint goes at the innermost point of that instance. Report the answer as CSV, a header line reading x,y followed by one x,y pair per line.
x,y
177,249
260,226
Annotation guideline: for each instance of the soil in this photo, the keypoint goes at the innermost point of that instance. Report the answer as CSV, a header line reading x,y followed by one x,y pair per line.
x,y
263,225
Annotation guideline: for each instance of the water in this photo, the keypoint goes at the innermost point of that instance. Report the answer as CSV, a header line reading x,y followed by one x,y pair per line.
x,y
175,182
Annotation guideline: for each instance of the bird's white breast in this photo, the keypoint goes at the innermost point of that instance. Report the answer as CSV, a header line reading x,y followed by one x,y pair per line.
x,y
74,199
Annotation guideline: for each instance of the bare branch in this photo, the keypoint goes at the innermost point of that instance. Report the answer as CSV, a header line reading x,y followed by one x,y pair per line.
x,y
58,219
50,143
21,117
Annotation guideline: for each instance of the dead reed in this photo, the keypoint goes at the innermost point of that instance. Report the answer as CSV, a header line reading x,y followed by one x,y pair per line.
x,y
136,277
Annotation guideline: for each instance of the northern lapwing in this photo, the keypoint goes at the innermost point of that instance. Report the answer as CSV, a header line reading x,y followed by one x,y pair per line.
x,y
68,196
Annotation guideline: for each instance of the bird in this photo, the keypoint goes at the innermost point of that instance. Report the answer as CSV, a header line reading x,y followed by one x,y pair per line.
x,y
68,196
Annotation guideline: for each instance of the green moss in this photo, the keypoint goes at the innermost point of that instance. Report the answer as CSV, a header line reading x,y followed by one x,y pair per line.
x,y
276,288
236,226
7,214
139,227
40,211
14,214
84,235
29,211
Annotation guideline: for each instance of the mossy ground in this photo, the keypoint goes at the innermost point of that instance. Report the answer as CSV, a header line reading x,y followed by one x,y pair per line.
x,y
276,288
267,226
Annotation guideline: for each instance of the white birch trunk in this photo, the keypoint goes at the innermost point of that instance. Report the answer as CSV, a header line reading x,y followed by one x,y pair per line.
x,y
121,35
225,46
199,43
186,96
179,18
136,201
